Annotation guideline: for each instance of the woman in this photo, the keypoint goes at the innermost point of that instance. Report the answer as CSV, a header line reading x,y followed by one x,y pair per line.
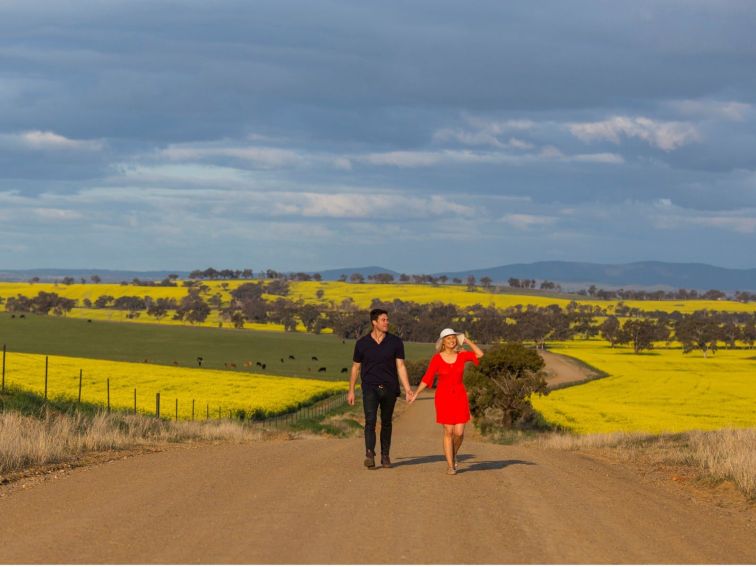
x,y
452,408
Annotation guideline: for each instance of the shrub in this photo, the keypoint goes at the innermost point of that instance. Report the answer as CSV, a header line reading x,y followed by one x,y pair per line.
x,y
500,388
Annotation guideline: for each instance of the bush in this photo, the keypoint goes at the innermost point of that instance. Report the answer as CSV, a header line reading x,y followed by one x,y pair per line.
x,y
500,388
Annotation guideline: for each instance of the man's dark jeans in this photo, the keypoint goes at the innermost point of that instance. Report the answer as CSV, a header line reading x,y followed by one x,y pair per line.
x,y
374,397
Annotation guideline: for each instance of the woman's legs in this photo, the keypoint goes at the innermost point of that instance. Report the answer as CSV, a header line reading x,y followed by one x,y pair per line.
x,y
458,434
449,445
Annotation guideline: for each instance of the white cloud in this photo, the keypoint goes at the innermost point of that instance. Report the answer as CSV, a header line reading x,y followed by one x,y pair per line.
x,y
46,140
666,136
408,159
599,158
732,111
358,205
518,144
524,221
57,214
262,156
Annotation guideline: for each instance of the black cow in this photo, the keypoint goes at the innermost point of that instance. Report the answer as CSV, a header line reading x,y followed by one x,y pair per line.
x,y
291,357
322,369
343,370
314,357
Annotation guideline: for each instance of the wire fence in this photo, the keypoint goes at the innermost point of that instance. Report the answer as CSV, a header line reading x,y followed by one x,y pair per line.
x,y
169,408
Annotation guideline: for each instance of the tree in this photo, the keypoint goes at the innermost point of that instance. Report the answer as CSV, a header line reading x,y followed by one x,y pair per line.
x,y
159,307
513,282
486,282
277,287
501,388
383,278
610,330
320,293
642,333
68,280
471,283
192,308
357,278
103,301
699,330
310,316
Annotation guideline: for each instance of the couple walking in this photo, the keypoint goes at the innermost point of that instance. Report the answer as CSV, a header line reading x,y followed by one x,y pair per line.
x,y
379,361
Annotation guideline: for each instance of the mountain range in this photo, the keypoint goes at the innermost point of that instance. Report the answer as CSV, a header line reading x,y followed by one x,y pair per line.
x,y
571,275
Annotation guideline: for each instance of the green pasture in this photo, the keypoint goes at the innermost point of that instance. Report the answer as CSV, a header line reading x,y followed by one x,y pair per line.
x,y
180,346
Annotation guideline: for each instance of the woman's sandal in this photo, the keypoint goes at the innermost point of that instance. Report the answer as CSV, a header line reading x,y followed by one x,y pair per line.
x,y
451,470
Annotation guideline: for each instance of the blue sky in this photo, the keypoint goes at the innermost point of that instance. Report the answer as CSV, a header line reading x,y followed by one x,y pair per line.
x,y
423,136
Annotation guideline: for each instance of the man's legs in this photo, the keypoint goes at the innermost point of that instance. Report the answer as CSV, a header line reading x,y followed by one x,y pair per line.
x,y
370,402
387,403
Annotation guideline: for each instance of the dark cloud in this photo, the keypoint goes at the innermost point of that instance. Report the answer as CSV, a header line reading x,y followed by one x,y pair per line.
x,y
417,101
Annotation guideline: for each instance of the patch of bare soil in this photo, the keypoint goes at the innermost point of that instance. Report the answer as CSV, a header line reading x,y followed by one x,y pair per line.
x,y
562,370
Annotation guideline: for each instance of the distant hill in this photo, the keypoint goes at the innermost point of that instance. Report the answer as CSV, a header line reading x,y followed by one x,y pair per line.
x,y
112,276
571,275
634,275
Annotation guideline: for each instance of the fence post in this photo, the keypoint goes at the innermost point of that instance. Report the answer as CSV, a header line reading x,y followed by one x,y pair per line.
x,y
108,380
46,365
192,410
3,390
157,405
208,411
219,413
80,373
176,409
135,411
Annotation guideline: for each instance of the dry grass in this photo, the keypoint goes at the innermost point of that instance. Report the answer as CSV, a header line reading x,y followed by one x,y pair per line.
x,y
28,441
720,455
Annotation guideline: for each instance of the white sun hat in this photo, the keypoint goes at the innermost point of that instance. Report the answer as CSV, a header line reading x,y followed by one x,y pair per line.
x,y
446,332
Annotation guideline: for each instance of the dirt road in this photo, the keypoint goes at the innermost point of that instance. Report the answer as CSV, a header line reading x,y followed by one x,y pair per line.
x,y
561,370
311,501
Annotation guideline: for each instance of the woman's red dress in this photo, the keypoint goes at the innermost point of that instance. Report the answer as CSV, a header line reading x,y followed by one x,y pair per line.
x,y
451,397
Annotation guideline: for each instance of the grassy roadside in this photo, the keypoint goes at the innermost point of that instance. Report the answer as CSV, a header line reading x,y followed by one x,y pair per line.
x,y
709,457
36,437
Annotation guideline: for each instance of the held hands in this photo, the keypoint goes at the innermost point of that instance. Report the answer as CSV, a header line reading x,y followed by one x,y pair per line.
x,y
409,396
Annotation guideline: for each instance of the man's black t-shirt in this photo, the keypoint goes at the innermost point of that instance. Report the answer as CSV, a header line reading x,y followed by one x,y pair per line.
x,y
378,361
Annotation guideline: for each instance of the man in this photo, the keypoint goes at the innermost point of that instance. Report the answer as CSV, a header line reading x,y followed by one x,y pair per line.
x,y
379,360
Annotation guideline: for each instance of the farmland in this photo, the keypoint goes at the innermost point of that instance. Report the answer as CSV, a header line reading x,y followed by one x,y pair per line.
x,y
659,391
213,390
334,293
167,345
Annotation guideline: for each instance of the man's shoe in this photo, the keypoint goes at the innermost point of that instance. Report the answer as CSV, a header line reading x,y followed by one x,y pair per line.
x,y
370,460
385,462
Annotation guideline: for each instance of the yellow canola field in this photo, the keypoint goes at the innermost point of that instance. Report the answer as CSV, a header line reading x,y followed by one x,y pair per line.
x,y
336,292
213,320
363,294
216,388
660,391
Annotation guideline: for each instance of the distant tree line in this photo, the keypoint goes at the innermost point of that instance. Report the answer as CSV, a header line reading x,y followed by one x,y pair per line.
x,y
702,330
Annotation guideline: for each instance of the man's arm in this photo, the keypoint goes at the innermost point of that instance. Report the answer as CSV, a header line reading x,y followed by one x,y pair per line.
x,y
353,382
404,378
